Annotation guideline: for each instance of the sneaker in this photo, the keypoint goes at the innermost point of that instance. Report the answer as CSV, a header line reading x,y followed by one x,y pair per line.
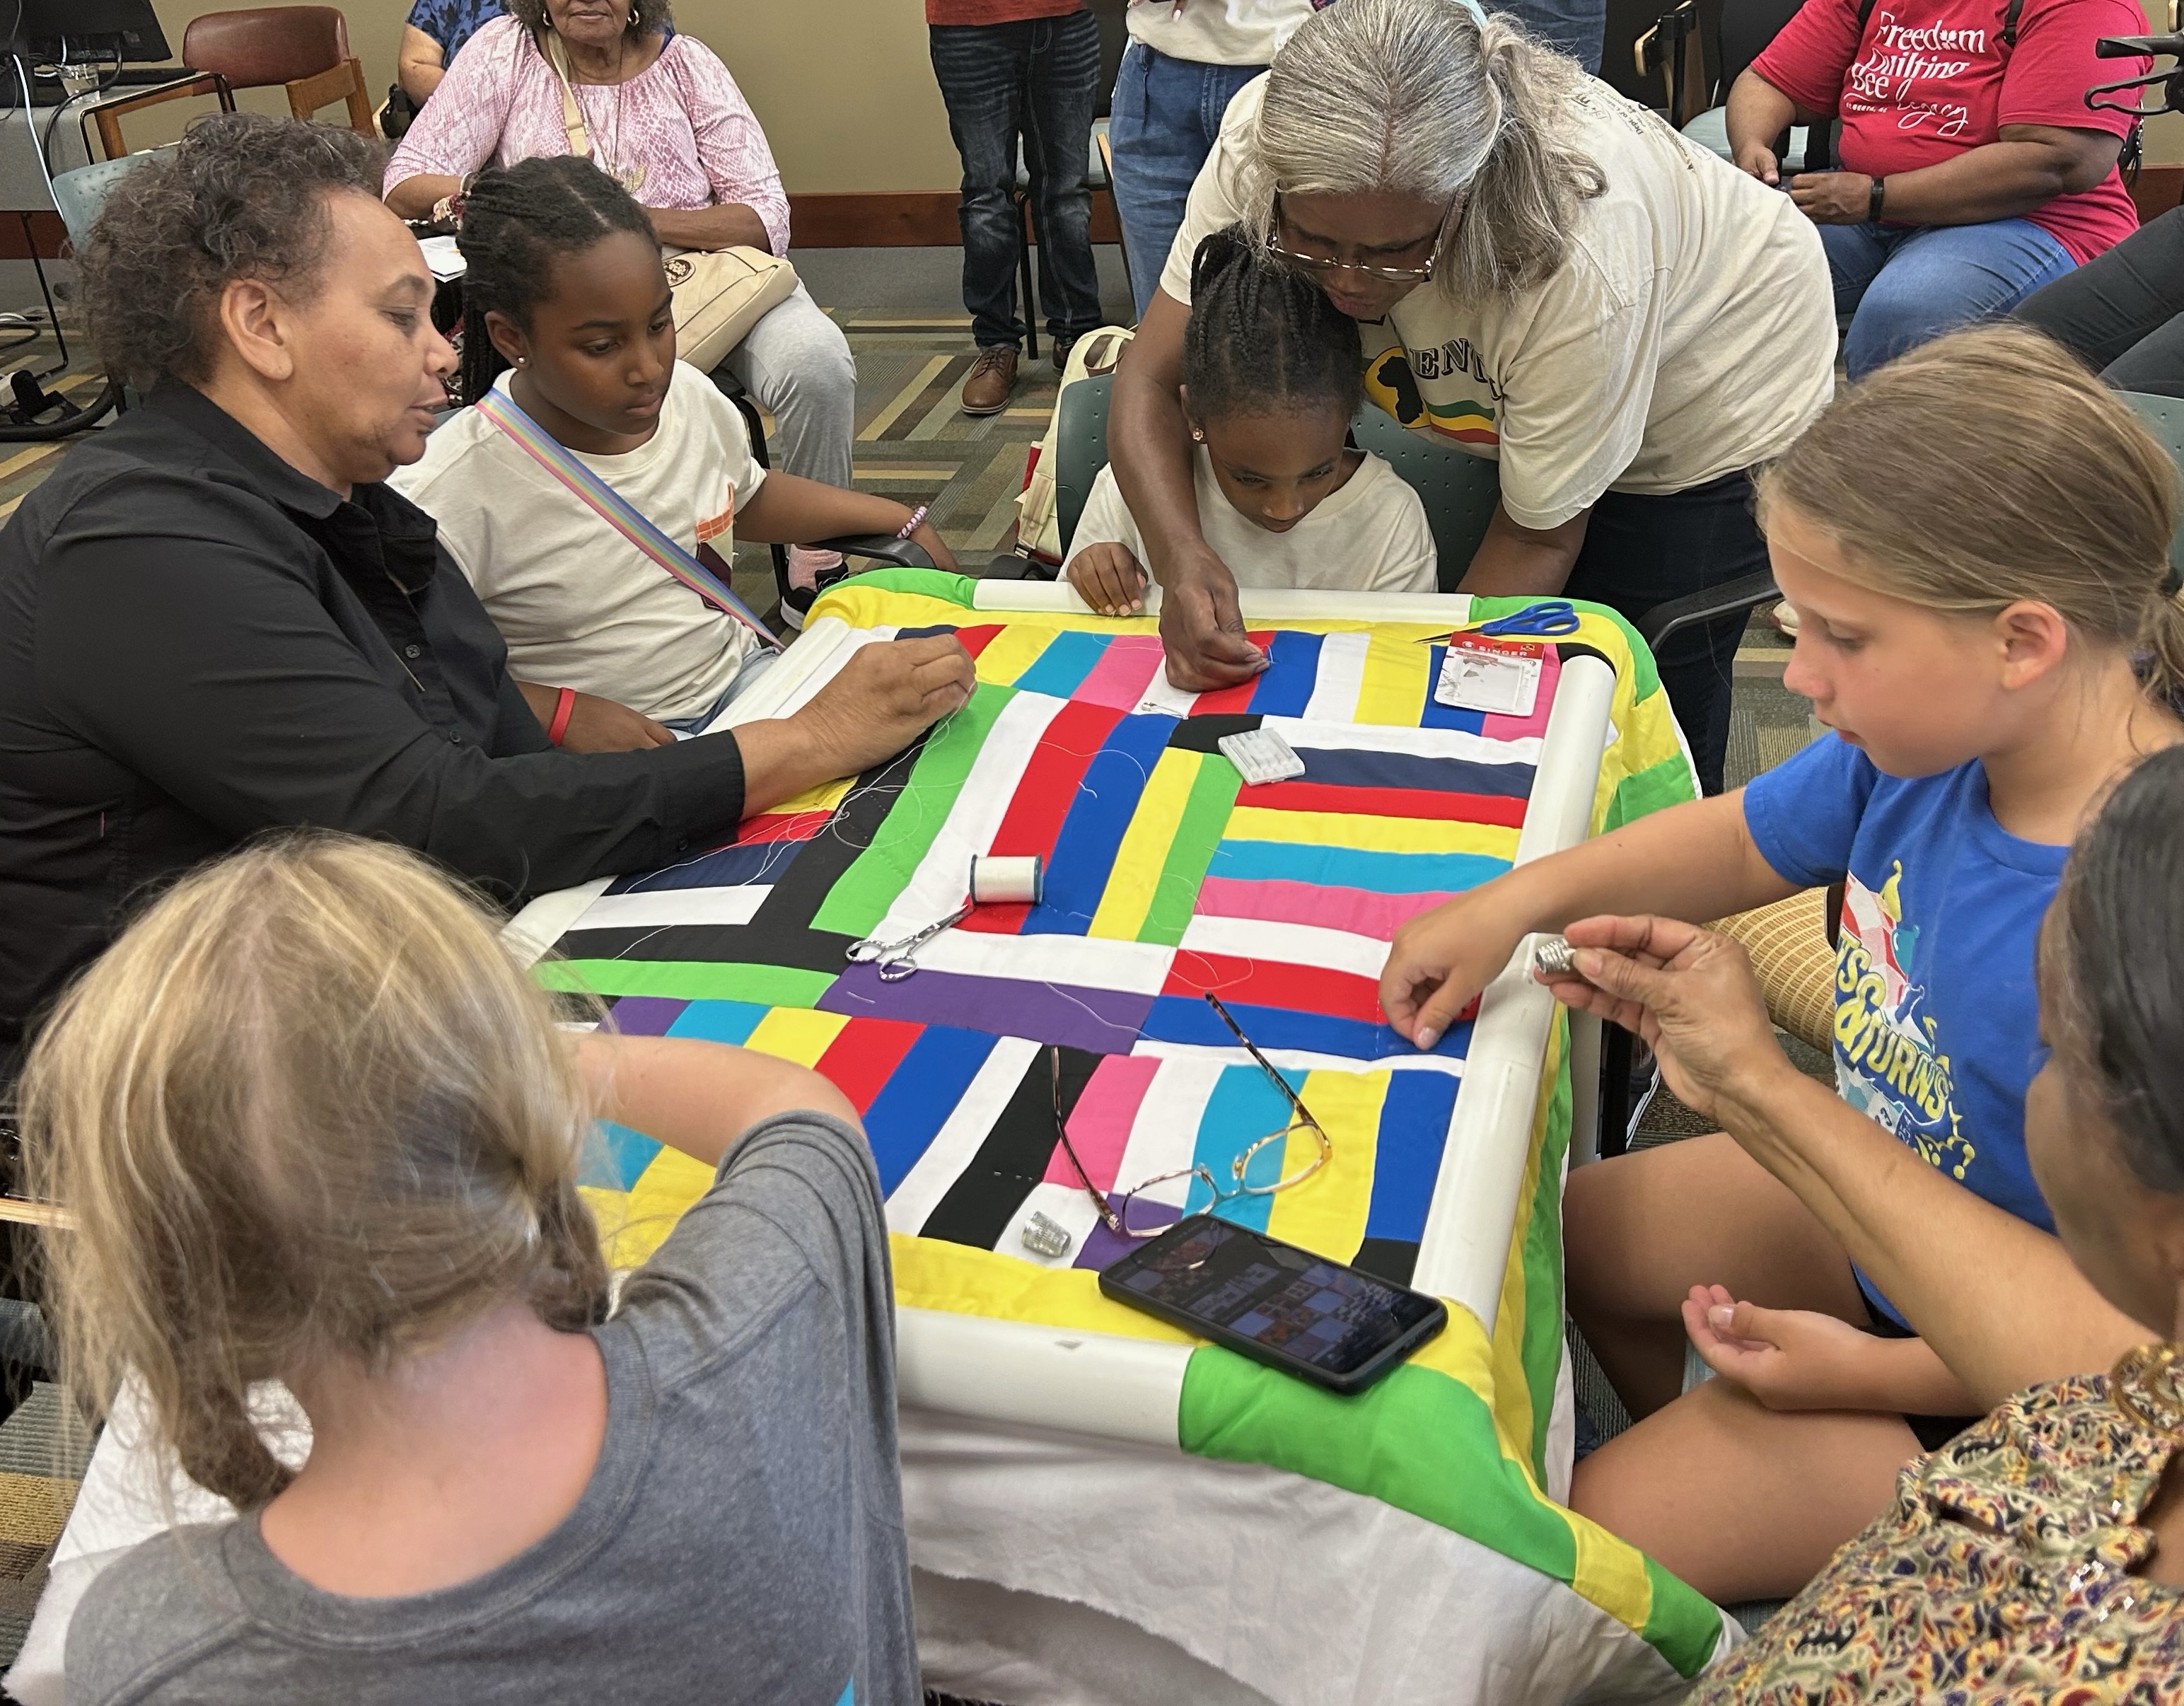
x,y
796,603
1783,616
1062,346
992,377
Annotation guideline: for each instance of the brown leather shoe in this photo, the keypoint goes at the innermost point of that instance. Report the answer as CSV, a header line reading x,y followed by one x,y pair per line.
x,y
992,376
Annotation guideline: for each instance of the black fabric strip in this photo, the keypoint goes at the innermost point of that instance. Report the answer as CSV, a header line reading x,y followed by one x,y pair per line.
x,y
1203,733
799,891
748,944
1392,1259
987,1197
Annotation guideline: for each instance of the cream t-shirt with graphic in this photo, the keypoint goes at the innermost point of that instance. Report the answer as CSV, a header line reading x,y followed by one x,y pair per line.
x,y
1369,535
1689,332
1216,32
578,604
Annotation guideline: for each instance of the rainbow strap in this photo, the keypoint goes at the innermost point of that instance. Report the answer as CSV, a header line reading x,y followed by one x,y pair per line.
x,y
616,510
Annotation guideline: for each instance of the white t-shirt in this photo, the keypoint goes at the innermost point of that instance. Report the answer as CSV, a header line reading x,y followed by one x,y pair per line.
x,y
1368,535
1688,333
578,604
1216,32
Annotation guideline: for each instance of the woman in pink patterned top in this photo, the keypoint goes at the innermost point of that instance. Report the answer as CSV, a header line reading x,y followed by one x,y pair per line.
x,y
665,117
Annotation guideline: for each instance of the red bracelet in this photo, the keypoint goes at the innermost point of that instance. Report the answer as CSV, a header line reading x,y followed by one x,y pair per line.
x,y
564,701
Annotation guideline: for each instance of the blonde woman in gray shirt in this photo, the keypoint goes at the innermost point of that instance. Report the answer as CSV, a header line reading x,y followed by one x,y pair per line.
x,y
316,1126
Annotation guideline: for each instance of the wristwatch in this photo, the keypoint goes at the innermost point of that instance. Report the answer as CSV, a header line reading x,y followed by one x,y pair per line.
x,y
1874,200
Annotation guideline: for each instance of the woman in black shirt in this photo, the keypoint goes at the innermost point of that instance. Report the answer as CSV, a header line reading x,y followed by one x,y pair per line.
x,y
215,620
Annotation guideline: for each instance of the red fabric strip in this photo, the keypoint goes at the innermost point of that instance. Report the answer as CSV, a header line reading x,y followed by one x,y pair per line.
x,y
861,1060
1385,802
1044,792
1234,701
1275,984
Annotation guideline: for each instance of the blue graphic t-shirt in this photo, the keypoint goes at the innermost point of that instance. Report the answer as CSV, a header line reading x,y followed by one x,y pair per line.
x,y
1936,1019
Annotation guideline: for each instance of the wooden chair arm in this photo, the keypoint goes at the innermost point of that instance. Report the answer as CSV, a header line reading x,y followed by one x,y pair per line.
x,y
343,82
109,113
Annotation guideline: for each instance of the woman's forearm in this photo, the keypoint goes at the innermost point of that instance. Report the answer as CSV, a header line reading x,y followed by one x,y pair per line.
x,y
415,197
1998,1300
1519,561
2004,180
1149,441
1757,115
729,226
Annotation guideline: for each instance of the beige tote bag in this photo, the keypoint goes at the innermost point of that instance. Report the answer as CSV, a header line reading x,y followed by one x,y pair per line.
x,y
719,294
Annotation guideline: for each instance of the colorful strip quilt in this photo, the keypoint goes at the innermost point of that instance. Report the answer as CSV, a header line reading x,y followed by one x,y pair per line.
x,y
1166,877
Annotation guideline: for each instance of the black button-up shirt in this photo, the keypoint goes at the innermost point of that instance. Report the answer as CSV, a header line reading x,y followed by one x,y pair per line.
x,y
197,642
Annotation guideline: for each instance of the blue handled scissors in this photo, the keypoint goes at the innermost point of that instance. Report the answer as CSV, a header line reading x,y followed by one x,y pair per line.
x,y
1544,620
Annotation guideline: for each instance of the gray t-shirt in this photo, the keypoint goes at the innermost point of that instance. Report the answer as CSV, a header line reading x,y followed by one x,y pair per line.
x,y
740,1539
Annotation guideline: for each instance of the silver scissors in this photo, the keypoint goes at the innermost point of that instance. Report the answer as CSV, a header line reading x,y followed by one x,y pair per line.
x,y
896,960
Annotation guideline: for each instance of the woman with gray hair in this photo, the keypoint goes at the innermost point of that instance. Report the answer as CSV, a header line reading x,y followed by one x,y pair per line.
x,y
1542,272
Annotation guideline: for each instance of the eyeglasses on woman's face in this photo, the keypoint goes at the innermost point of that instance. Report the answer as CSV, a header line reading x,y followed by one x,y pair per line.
x,y
1319,255
1118,1216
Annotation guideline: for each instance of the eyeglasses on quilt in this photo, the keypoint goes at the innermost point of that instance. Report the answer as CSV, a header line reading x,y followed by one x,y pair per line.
x,y
1116,1216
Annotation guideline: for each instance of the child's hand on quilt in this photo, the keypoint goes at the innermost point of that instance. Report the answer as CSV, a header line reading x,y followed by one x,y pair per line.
x,y
1441,959
1790,1359
1107,578
1203,627
884,697
1689,993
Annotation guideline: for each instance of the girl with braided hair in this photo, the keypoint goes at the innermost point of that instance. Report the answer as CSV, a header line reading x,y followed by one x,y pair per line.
x,y
1270,381
570,323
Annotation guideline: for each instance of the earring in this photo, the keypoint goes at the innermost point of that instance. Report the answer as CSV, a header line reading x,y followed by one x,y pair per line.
x,y
1197,437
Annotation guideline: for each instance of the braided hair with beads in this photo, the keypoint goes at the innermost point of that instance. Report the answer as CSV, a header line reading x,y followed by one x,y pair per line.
x,y
1262,339
517,223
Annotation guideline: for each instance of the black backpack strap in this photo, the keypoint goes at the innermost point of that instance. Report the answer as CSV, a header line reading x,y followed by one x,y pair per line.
x,y
2009,18
1864,17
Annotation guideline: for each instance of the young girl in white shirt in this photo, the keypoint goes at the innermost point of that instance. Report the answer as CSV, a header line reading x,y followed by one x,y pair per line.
x,y
1271,378
570,318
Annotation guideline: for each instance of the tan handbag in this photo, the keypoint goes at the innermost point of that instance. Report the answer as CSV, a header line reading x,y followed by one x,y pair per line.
x,y
719,294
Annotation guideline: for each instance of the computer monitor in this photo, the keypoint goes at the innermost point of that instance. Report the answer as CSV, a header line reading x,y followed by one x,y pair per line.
x,y
52,30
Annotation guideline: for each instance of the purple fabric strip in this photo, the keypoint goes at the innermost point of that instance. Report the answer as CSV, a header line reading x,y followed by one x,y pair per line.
x,y
646,1016
1102,1020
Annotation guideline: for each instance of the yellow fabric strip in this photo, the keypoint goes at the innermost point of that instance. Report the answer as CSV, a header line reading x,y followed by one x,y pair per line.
x,y
1365,834
1010,652
868,607
823,798
1394,688
801,1035
1136,874
1326,1214
931,1274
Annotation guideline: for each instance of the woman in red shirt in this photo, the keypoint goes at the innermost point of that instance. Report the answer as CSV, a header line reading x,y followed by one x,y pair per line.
x,y
1973,171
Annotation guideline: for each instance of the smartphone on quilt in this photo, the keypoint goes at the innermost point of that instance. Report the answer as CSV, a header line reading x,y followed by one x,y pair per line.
x,y
1275,1303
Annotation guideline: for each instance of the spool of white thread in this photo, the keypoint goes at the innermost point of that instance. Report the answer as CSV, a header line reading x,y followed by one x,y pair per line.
x,y
1000,880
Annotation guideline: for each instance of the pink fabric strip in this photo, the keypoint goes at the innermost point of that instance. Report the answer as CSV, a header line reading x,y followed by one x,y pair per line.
x,y
1125,670
1100,1124
1496,728
1359,910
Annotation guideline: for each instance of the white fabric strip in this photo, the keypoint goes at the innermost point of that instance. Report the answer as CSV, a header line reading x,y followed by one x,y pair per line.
x,y
1340,680
662,906
1294,944
1411,743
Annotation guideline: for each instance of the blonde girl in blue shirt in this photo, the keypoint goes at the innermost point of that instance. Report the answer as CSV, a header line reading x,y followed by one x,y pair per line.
x,y
1975,538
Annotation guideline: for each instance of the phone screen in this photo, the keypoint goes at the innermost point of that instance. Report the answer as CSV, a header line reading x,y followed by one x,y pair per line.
x,y
1299,1307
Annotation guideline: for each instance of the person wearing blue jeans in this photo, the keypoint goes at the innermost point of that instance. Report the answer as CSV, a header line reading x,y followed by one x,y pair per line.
x,y
1184,64
1005,76
1904,285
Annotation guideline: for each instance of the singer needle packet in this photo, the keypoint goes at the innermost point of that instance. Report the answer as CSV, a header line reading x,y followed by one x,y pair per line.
x,y
1482,674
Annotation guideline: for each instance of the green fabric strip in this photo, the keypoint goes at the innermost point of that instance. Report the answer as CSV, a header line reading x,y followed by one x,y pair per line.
x,y
1204,817
861,894
1666,783
1542,1345
691,980
1684,1625
931,583
1417,1440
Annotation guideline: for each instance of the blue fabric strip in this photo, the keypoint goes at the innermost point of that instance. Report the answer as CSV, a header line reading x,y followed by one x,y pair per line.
x,y
1347,867
1284,687
919,1096
1406,1157
1188,1019
1061,669
1347,768
1092,833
